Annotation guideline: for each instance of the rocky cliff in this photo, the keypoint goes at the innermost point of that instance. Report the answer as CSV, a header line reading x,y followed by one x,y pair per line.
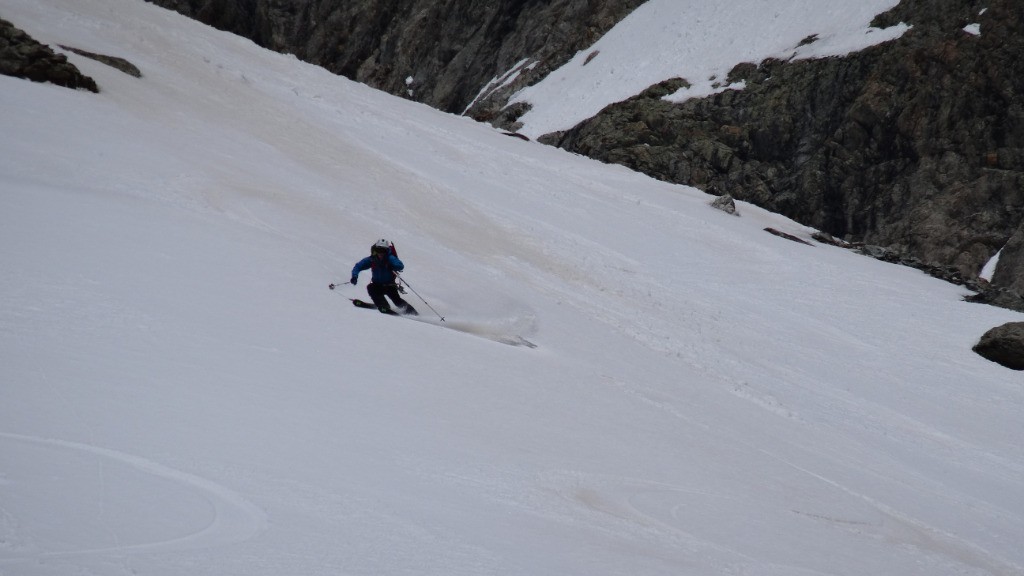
x,y
440,52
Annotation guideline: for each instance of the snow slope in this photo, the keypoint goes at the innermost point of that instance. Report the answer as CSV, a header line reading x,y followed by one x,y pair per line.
x,y
183,395
701,42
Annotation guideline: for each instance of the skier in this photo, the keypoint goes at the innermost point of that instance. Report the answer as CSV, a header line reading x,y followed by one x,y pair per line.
x,y
384,264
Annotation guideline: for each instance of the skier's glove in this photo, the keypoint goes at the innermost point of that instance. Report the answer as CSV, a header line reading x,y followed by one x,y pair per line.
x,y
354,280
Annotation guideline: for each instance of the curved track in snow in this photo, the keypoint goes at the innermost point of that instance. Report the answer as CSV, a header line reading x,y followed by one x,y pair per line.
x,y
136,505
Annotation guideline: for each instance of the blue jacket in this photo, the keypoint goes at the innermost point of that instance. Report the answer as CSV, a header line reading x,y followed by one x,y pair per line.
x,y
383,268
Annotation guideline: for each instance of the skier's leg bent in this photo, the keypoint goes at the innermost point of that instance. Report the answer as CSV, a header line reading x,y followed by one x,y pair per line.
x,y
392,292
376,292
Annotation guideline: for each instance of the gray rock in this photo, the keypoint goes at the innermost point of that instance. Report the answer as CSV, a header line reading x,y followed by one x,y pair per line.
x,y
725,204
115,62
22,56
1004,345
1000,297
787,236
1009,273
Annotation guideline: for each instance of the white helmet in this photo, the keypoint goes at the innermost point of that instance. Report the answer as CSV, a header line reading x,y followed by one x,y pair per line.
x,y
382,245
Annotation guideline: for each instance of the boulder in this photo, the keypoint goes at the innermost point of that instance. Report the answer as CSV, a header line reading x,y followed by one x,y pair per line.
x,y
725,204
1004,345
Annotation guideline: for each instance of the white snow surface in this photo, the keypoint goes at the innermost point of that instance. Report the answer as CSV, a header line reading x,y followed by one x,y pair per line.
x,y
700,41
182,394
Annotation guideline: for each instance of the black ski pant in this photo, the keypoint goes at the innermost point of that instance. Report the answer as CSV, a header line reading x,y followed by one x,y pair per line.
x,y
377,293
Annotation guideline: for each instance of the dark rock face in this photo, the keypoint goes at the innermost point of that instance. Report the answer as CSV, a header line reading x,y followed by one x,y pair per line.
x,y
1004,345
23,57
440,52
1011,276
916,145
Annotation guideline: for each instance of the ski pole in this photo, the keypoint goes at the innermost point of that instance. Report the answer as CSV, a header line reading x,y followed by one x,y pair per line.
x,y
332,285
402,280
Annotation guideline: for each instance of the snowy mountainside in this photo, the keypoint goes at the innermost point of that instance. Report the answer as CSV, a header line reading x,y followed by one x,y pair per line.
x,y
182,394
700,42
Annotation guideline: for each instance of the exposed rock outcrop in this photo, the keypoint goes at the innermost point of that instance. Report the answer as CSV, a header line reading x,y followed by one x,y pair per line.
x,y
1004,345
1009,273
115,62
22,56
916,145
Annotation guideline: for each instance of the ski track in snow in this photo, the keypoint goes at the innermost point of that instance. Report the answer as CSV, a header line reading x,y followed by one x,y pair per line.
x,y
507,331
232,518
480,329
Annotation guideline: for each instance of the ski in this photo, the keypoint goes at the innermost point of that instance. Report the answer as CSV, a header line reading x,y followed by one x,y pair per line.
x,y
467,328
364,304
